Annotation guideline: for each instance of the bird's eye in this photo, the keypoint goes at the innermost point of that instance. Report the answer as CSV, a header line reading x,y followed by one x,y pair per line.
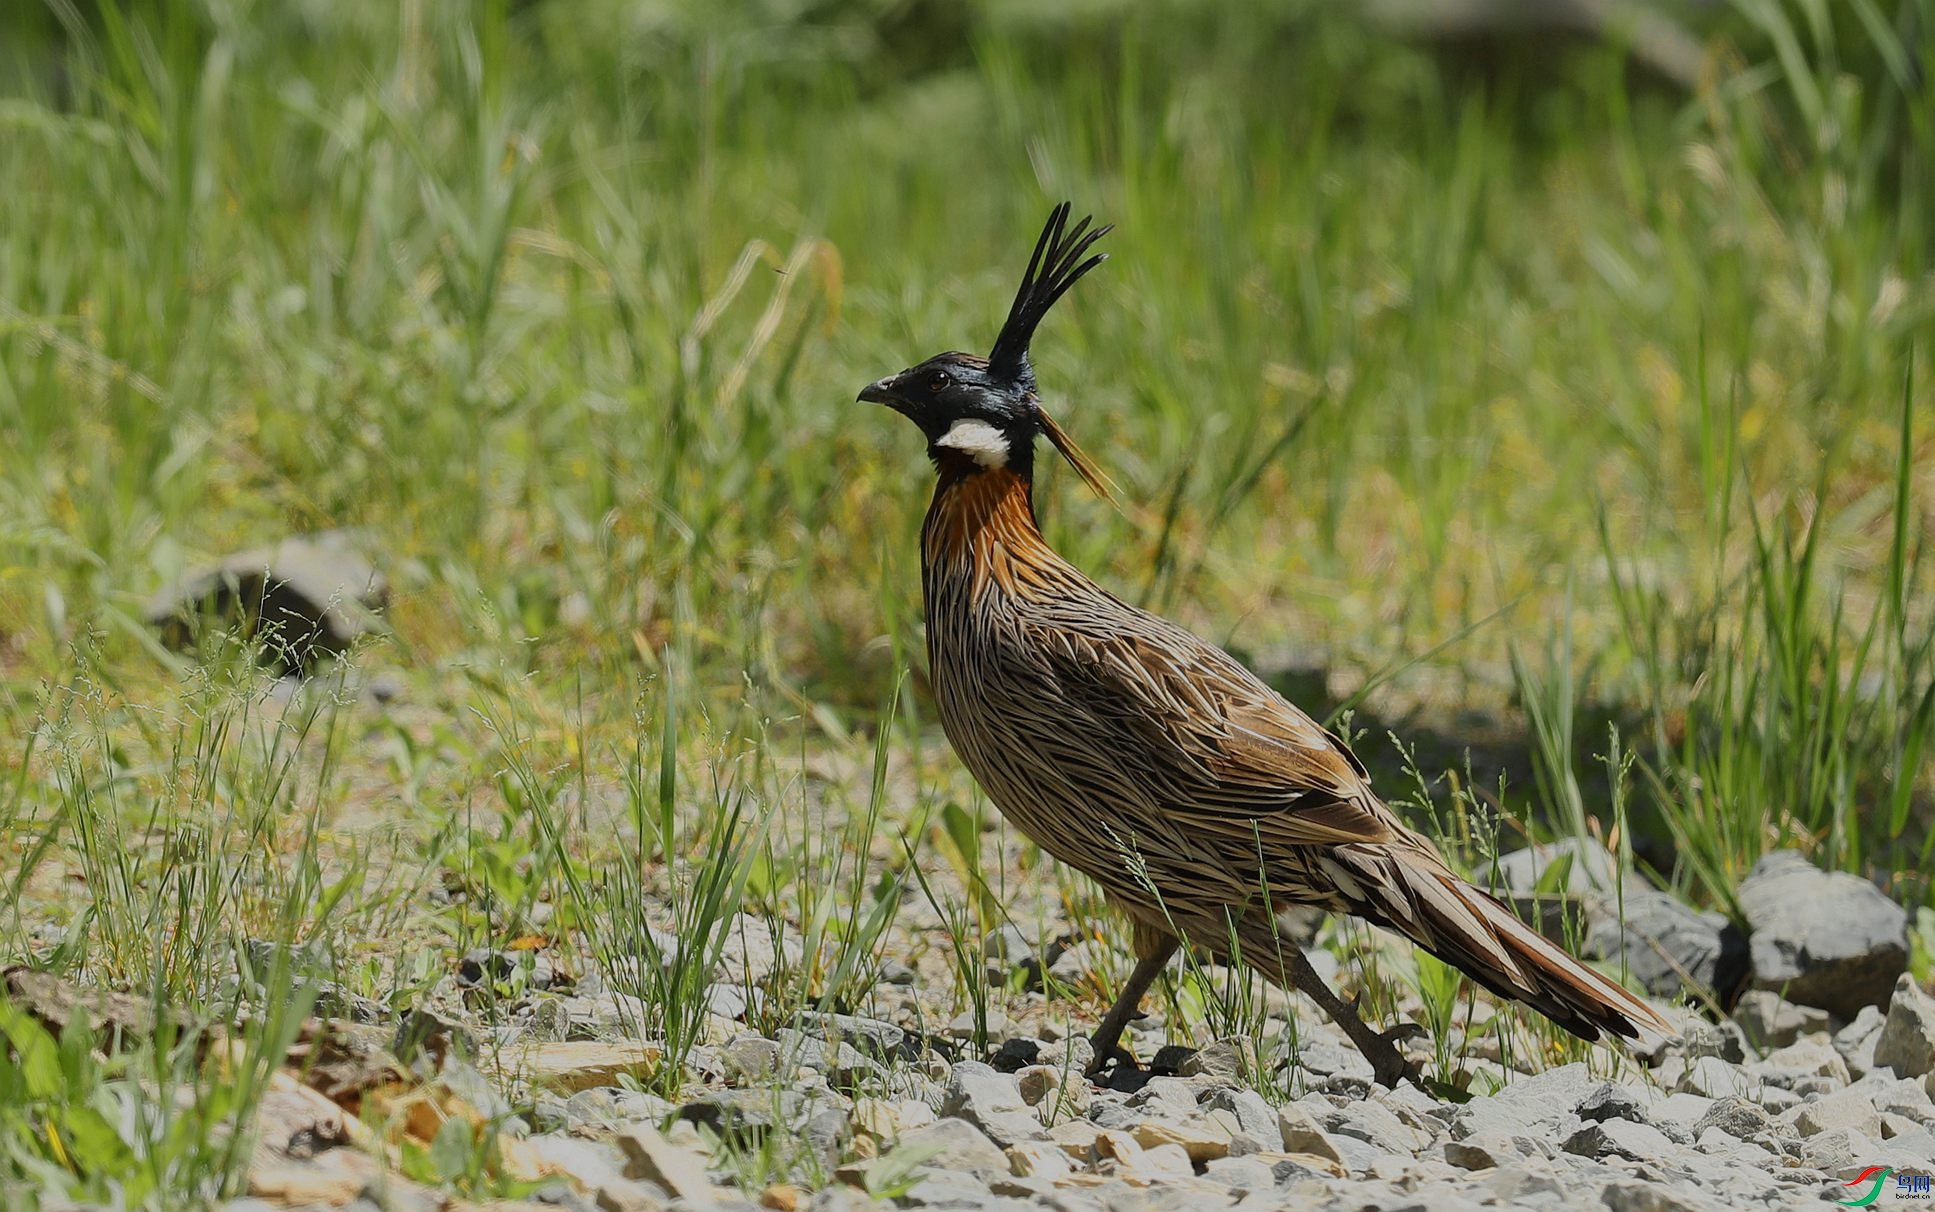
x,y
940,380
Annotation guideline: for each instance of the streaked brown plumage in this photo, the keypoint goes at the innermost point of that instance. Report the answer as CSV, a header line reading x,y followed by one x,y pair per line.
x,y
1200,800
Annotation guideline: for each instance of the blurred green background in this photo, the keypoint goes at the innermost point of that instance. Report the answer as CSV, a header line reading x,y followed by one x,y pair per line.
x,y
1502,387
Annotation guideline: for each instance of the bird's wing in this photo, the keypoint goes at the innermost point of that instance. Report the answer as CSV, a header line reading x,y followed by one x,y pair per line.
x,y
1204,735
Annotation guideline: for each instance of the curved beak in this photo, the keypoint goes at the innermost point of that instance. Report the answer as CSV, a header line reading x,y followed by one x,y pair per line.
x,y
880,391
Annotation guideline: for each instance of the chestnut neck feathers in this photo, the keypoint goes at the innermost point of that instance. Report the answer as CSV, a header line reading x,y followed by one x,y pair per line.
x,y
981,533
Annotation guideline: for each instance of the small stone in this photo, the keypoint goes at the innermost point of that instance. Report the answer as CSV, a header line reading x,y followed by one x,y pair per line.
x,y
781,1197
1612,1101
581,1064
1837,1149
1221,1059
1620,1138
1037,1189
966,1025
1483,1152
1016,1053
1164,1162
649,1156
1821,938
1714,1078
1165,1095
1579,867
333,1178
955,1144
1844,1109
1301,1133
750,1058
1519,1184
1680,1108
1770,1022
1008,945
754,949
1738,1117
1856,1042
1075,1138
1249,1114
1629,1196
1802,1059
1906,1042
1376,1125
1037,1083
992,1102
1196,1139
756,1109
1241,1173
1170,1058
1038,1159
881,1041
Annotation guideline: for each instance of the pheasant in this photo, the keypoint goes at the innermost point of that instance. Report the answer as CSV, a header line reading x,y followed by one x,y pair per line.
x,y
1199,799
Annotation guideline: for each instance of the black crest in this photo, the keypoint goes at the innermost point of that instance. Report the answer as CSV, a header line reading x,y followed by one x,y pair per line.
x,y
1056,266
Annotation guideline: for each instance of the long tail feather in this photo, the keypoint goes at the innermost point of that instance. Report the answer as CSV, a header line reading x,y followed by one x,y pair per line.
x,y
1409,889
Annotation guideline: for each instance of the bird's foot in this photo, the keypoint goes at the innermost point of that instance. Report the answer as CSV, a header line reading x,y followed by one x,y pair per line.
x,y
1389,1065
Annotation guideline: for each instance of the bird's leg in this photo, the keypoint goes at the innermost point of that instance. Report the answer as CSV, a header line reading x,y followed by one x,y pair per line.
x,y
1153,952
1379,1047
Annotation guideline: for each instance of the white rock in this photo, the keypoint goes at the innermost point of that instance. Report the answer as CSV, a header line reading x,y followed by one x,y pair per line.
x,y
1806,1058
650,1156
1039,1159
1843,1109
1301,1133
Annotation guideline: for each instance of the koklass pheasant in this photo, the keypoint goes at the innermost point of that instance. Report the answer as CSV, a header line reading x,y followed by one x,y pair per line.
x,y
1200,800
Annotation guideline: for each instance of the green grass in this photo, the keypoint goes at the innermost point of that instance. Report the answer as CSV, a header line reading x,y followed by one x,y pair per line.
x,y
1535,388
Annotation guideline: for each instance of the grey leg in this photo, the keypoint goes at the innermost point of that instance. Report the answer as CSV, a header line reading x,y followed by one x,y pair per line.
x,y
1109,1034
1378,1047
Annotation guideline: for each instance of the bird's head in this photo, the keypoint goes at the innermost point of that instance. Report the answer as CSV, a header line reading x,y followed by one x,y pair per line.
x,y
984,413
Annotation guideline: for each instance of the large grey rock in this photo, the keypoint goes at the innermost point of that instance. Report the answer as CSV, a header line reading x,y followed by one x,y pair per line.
x,y
303,598
1822,938
1668,948
1907,1040
1576,867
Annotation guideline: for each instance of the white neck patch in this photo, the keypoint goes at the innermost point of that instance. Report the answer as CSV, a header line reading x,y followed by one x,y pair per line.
x,y
978,440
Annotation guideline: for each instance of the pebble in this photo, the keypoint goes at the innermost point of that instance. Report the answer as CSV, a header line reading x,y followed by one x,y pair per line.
x,y
1301,1133
1845,1109
992,1102
1769,1021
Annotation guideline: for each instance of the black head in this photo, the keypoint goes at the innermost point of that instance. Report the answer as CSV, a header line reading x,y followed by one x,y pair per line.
x,y
986,408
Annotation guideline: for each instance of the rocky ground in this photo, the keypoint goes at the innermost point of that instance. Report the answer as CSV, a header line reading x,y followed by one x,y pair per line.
x,y
1782,1103
522,1080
